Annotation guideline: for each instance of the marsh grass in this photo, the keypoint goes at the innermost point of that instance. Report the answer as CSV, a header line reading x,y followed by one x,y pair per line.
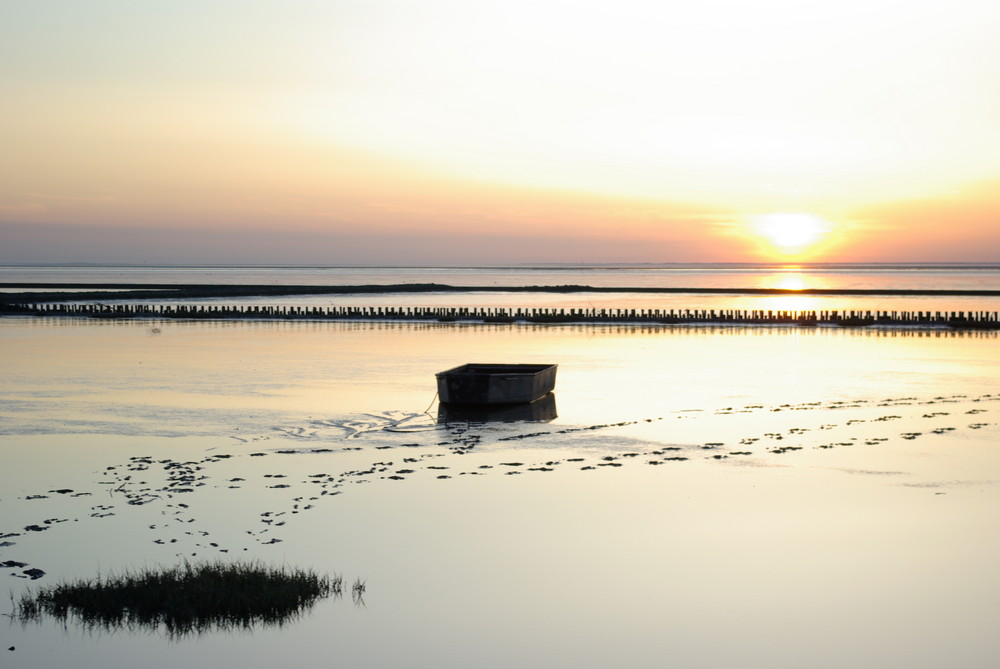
x,y
186,599
358,592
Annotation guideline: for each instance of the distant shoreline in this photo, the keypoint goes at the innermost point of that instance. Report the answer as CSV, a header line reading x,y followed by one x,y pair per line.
x,y
133,291
903,265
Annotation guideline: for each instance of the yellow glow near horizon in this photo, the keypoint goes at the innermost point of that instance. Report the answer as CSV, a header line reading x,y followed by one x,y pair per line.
x,y
541,130
736,118
791,233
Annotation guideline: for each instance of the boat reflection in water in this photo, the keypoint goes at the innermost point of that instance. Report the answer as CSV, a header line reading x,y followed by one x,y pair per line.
x,y
541,410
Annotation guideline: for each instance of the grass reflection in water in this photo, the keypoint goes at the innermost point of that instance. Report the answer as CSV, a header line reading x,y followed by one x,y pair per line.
x,y
186,599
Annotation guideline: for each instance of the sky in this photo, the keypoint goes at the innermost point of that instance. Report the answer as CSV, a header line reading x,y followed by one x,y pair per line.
x,y
480,132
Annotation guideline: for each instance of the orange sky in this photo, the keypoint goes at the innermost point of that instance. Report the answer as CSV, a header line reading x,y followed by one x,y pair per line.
x,y
449,131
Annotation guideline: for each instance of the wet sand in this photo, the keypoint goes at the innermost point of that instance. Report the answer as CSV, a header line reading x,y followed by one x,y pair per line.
x,y
852,526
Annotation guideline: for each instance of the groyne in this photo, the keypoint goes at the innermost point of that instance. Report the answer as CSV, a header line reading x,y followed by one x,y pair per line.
x,y
845,318
63,292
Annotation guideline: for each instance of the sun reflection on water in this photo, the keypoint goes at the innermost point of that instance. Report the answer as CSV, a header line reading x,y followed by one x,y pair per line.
x,y
791,282
791,278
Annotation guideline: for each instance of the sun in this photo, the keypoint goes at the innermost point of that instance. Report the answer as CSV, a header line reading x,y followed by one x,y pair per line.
x,y
790,233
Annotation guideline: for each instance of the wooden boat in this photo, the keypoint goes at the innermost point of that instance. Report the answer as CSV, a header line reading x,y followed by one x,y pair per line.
x,y
481,383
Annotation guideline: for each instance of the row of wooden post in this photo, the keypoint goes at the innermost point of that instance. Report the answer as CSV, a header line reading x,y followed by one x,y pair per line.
x,y
983,319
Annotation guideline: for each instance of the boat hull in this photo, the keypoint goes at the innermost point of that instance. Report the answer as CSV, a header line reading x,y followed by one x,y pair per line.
x,y
481,383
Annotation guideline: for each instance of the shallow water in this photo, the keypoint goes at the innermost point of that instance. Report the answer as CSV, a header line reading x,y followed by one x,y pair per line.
x,y
867,277
763,496
872,276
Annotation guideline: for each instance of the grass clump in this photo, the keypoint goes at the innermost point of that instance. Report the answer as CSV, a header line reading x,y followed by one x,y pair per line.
x,y
184,599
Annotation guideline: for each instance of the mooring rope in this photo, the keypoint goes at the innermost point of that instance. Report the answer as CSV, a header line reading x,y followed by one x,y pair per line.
x,y
431,404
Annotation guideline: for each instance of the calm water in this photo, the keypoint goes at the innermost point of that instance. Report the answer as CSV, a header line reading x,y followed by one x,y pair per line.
x,y
910,277
772,497
700,276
